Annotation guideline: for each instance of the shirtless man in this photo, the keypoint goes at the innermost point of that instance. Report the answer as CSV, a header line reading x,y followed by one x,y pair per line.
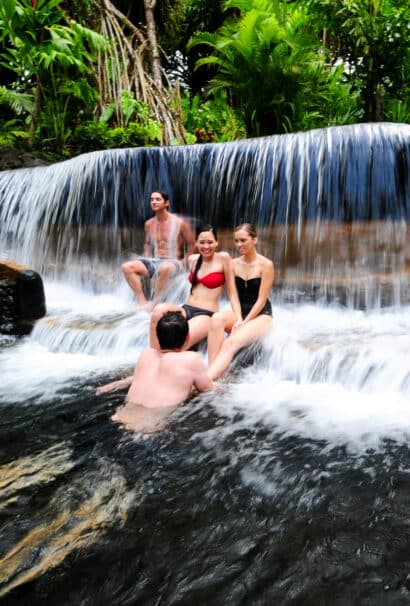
x,y
162,378
169,240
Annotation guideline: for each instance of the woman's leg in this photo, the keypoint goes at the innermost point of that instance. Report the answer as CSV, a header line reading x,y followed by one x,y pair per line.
x,y
221,322
157,313
244,335
198,329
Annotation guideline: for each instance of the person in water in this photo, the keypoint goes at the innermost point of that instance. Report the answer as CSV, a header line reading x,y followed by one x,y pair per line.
x,y
210,272
162,378
254,275
169,240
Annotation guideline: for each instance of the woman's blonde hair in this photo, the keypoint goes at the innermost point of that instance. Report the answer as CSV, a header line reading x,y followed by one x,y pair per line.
x,y
249,228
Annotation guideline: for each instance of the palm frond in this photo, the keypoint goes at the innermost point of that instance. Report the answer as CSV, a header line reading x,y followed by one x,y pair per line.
x,y
19,102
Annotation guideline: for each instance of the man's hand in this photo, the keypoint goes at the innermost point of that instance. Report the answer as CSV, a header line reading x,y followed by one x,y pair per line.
x,y
103,389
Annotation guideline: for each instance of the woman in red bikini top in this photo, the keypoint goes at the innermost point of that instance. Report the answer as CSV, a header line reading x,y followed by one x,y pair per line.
x,y
210,273
213,280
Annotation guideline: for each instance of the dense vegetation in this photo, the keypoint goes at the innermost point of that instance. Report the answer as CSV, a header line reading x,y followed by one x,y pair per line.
x,y
82,75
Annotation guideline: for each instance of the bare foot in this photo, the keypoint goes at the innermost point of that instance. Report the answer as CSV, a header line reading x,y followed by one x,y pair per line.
x,y
148,306
219,385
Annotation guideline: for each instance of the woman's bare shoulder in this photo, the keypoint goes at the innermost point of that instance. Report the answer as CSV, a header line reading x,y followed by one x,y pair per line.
x,y
265,262
193,258
223,255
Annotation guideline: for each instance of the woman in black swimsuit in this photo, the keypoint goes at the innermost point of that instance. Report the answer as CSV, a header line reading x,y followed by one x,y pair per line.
x,y
210,272
254,275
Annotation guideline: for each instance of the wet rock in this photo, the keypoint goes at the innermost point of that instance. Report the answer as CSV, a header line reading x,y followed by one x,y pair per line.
x,y
13,158
22,299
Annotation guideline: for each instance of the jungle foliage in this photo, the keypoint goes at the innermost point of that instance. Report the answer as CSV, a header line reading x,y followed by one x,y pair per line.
x,y
96,74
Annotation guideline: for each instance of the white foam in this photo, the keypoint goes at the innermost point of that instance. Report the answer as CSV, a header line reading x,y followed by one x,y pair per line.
x,y
332,374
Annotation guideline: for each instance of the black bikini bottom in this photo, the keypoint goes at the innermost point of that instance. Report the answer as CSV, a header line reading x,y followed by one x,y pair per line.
x,y
192,311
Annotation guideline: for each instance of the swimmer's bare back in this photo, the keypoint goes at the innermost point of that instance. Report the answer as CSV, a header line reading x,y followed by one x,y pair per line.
x,y
139,418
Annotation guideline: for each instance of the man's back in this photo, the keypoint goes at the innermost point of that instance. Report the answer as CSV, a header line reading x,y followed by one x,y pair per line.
x,y
163,379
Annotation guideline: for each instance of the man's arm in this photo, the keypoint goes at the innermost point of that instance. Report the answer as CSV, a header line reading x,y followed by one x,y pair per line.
x,y
201,380
148,241
114,386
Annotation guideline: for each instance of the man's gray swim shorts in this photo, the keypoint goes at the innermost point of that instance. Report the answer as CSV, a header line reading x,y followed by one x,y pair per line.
x,y
152,264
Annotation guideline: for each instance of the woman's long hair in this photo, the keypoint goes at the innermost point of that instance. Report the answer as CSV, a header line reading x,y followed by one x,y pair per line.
x,y
198,263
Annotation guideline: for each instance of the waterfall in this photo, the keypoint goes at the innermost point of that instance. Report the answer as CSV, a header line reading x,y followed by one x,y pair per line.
x,y
328,201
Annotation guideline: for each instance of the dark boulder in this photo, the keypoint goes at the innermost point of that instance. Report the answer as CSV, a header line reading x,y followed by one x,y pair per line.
x,y
22,299
14,158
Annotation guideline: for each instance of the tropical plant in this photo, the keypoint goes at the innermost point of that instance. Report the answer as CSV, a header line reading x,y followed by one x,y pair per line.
x,y
372,40
398,110
12,134
268,62
18,102
212,120
44,54
128,66
92,135
135,113
179,21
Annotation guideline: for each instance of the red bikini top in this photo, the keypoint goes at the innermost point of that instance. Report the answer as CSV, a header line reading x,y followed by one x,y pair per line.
x,y
213,280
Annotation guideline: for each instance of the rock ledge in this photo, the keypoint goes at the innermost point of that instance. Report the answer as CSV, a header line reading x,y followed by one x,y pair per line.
x,y
13,158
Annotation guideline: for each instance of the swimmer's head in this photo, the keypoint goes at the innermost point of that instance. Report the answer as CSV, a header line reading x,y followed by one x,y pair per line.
x,y
205,227
159,199
172,330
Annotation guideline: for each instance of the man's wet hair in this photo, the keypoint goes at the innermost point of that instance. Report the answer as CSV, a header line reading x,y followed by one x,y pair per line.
x,y
162,193
172,330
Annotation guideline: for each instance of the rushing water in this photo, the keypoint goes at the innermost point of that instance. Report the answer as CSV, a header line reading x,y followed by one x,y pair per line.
x,y
289,486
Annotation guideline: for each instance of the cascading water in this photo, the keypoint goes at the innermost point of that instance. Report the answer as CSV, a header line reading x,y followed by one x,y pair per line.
x,y
290,485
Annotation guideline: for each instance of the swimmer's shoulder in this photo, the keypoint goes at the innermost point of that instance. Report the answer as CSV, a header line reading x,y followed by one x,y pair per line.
x,y
192,358
149,223
149,354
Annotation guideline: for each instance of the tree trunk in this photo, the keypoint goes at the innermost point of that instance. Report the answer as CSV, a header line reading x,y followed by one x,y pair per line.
x,y
373,95
36,113
152,37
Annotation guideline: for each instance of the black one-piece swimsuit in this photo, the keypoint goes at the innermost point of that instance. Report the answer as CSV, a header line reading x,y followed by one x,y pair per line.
x,y
248,292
